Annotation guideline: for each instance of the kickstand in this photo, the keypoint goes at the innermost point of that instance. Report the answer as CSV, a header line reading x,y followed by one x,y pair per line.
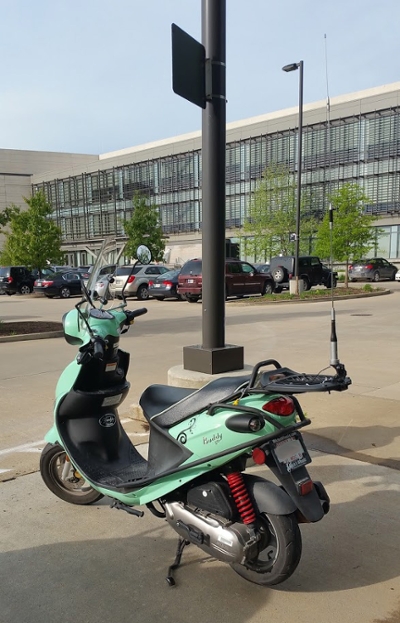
x,y
179,551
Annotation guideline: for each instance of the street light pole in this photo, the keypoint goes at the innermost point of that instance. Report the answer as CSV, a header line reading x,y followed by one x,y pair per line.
x,y
287,68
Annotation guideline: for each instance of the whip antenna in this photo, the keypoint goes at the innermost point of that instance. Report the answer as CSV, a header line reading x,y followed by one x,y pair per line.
x,y
334,359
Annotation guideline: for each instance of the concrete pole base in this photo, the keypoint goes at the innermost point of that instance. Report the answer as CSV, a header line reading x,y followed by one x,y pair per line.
x,y
293,288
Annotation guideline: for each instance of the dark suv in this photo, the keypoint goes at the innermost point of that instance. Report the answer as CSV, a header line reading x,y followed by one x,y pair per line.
x,y
241,278
16,279
311,271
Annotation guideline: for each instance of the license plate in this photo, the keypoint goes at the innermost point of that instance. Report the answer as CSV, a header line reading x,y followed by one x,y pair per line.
x,y
289,452
156,285
190,280
38,283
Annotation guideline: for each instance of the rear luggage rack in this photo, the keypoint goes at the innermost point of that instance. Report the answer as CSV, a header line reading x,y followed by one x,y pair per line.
x,y
287,381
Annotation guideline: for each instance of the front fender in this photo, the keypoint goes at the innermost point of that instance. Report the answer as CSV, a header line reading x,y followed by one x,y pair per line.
x,y
267,497
52,436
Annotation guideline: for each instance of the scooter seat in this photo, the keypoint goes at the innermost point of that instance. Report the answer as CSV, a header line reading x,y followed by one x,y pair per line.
x,y
166,405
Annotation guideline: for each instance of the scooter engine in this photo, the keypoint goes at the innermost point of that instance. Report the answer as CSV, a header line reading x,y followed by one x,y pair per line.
x,y
221,538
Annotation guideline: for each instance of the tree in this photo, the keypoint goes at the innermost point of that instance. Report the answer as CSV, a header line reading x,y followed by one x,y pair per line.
x,y
7,214
144,228
33,238
352,234
272,215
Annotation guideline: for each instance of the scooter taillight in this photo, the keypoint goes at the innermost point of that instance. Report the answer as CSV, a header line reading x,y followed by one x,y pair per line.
x,y
280,406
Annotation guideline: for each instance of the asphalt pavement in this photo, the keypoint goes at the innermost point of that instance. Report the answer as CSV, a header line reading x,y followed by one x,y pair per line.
x,y
93,564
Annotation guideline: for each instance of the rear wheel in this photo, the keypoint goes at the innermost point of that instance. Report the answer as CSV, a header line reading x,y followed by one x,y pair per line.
x,y
279,551
159,298
307,285
376,276
65,292
192,298
49,296
142,293
278,289
62,478
25,289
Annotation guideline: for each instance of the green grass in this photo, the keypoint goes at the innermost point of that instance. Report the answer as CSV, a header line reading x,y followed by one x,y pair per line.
x,y
320,293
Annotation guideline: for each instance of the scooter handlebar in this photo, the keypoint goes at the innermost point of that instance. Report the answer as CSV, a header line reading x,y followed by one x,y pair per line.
x,y
131,315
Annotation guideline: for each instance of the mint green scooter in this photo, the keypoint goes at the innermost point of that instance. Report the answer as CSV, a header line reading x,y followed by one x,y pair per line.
x,y
200,444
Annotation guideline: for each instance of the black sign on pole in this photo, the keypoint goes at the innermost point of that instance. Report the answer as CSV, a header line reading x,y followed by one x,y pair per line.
x,y
188,67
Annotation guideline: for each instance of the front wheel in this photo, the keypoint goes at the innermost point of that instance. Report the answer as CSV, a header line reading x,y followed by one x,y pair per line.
x,y
268,288
279,551
62,478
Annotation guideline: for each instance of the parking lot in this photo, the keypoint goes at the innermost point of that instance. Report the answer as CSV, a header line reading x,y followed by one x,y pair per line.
x,y
97,564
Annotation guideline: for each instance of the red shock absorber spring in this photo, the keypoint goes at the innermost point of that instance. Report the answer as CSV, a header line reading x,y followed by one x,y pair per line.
x,y
241,497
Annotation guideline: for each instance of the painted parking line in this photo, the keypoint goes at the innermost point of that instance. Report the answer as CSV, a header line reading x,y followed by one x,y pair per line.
x,y
25,447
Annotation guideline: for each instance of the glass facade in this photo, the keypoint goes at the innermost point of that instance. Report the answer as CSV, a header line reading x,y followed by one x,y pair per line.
x,y
364,149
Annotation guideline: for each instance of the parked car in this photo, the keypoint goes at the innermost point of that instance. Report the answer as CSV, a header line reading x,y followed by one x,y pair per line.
x,y
136,280
102,285
263,268
373,269
165,286
241,278
15,279
44,272
397,276
61,269
104,272
87,268
60,284
311,270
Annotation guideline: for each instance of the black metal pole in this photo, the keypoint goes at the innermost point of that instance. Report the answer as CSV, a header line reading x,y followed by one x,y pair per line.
x,y
213,356
299,168
214,171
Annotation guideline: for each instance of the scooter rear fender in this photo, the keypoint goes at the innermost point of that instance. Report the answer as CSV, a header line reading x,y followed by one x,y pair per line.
x,y
267,497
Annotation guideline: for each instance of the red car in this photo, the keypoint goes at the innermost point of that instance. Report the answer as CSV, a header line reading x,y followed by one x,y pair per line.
x,y
241,278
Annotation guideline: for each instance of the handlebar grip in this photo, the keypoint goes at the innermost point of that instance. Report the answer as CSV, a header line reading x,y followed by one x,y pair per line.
x,y
98,349
131,315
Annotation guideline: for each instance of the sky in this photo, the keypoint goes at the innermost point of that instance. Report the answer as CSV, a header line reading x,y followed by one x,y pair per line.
x,y
94,76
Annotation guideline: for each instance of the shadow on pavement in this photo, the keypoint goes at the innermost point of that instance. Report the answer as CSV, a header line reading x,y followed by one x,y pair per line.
x,y
355,442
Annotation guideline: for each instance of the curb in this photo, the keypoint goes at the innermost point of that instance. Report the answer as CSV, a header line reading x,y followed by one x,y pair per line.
x,y
317,300
31,336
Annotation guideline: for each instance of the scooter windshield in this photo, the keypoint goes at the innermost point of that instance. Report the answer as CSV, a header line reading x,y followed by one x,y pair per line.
x,y
95,290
